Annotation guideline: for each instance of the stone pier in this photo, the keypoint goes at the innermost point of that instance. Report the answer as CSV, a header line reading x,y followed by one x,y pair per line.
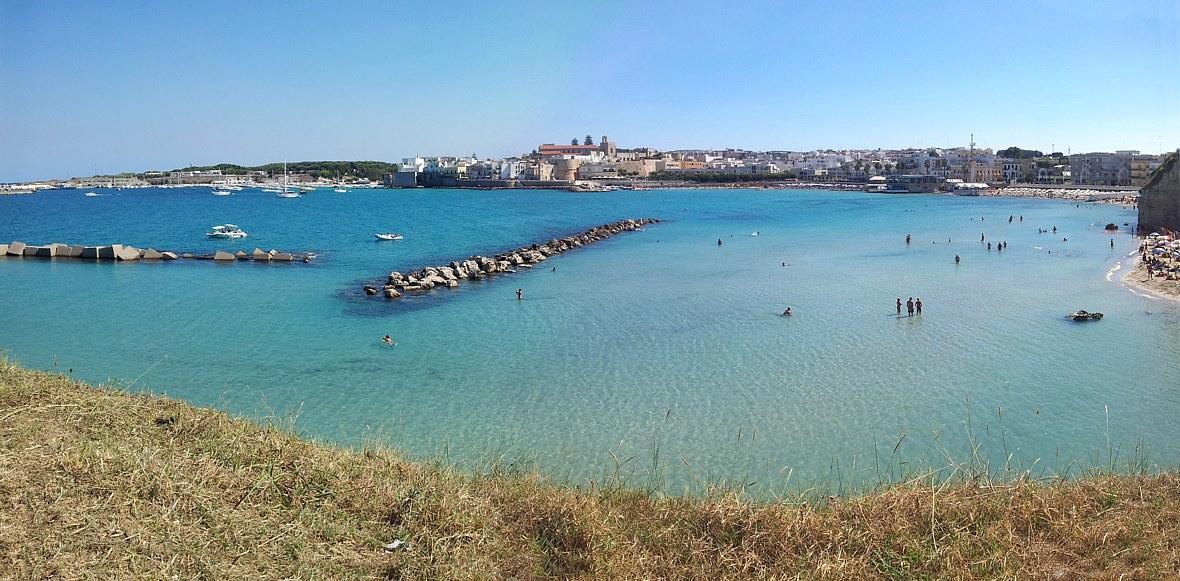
x,y
477,267
125,253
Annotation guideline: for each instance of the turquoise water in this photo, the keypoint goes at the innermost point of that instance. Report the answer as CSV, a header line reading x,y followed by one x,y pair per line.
x,y
654,340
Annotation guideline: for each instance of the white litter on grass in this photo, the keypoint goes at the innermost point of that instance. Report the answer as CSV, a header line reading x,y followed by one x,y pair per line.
x,y
396,544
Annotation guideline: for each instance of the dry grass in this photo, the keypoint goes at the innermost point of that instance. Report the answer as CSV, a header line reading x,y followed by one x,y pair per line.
x,y
102,484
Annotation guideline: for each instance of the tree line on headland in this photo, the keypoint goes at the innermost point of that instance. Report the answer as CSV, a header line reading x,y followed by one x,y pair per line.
x,y
373,170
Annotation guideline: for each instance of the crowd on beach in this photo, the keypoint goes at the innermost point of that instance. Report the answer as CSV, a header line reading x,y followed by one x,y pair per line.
x,y
1129,199
1160,256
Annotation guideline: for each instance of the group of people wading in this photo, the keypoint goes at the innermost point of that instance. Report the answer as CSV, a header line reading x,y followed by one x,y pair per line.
x,y
910,306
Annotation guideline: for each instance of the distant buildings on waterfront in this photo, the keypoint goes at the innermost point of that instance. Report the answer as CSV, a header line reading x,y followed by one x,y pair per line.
x,y
584,162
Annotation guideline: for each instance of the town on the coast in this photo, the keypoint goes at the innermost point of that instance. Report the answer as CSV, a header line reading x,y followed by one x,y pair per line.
x,y
1146,181
588,165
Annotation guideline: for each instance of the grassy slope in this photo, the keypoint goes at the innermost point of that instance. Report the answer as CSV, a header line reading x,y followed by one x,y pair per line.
x,y
98,483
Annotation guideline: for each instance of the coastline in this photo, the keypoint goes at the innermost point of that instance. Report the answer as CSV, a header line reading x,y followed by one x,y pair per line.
x,y
160,487
1136,277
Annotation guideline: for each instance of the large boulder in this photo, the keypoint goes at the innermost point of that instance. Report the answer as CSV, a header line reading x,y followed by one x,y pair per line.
x,y
91,252
33,250
223,255
152,254
241,255
169,255
392,293
75,251
127,253
3,249
282,257
260,254
109,252
16,249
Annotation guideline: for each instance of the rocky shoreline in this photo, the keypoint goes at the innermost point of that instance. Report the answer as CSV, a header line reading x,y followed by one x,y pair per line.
x,y
125,253
478,266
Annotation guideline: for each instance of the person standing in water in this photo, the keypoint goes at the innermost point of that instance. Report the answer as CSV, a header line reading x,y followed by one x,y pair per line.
x,y
909,306
787,312
899,306
918,305
719,242
981,237
907,239
519,294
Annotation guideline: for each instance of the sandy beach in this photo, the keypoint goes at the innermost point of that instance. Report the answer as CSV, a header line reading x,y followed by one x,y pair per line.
x,y
1156,285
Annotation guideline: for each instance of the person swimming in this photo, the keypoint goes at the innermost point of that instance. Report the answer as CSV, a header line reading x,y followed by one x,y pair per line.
x,y
787,312
388,340
899,300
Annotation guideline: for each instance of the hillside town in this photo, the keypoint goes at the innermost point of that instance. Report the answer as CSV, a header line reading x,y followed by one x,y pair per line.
x,y
586,164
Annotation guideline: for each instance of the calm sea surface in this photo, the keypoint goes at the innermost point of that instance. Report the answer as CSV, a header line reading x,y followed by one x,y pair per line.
x,y
658,348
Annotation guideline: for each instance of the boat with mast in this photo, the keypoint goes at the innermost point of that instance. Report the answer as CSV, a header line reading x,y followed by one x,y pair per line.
x,y
283,192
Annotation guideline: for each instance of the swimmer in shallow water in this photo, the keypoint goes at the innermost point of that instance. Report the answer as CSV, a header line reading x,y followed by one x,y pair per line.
x,y
387,340
787,312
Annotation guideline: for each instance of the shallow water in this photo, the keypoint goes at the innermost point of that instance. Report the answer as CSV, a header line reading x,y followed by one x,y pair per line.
x,y
651,340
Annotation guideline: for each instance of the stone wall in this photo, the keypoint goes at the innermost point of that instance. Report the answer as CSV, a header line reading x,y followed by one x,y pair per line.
x,y
1159,201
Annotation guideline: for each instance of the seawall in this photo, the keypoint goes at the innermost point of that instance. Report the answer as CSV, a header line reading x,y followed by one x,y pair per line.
x,y
125,253
478,266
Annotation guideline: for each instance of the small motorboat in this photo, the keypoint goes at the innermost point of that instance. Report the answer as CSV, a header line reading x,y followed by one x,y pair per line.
x,y
388,236
287,195
222,193
226,231
341,191
90,195
1085,316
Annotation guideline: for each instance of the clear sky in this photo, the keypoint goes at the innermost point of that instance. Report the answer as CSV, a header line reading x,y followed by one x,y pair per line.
x,y
96,87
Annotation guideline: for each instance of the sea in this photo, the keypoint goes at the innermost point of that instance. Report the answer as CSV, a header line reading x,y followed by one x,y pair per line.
x,y
657,358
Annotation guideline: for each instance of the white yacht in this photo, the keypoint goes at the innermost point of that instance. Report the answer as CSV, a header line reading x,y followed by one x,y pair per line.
x,y
389,236
226,231
283,191
221,192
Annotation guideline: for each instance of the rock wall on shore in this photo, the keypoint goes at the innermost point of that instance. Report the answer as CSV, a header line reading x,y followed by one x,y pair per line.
x,y
478,267
1159,202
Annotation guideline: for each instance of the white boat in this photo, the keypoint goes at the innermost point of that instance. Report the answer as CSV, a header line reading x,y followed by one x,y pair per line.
x,y
341,191
389,236
90,195
283,191
222,193
233,188
271,190
226,231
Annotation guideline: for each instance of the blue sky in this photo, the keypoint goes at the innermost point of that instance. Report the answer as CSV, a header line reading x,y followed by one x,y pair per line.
x,y
94,87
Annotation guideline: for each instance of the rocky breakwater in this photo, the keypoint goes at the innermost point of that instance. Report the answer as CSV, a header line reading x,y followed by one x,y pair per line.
x,y
124,253
478,267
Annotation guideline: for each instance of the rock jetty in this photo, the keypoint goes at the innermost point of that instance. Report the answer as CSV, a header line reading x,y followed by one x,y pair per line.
x,y
124,253
479,267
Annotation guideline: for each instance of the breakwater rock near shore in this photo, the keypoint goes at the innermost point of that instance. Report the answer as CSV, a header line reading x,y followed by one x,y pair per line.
x,y
478,267
124,253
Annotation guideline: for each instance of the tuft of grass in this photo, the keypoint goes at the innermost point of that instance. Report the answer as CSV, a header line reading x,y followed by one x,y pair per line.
x,y
98,483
